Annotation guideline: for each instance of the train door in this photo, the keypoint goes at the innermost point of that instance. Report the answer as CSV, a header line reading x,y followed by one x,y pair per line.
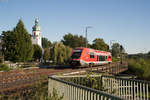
x,y
97,58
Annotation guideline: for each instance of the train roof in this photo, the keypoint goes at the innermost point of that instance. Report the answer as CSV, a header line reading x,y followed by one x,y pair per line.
x,y
93,50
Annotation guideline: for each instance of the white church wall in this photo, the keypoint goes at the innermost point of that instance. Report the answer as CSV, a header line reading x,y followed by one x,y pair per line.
x,y
36,35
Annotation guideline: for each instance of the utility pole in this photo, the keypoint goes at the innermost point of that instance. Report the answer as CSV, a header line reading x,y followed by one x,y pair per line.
x,y
121,49
86,29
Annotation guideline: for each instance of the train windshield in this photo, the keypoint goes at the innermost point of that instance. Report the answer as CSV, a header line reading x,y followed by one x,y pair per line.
x,y
76,54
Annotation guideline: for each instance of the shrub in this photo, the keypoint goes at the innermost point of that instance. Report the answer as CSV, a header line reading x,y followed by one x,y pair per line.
x,y
4,67
91,82
115,59
1,59
55,96
140,67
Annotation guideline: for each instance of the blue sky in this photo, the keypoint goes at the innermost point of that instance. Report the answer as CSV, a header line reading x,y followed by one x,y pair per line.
x,y
125,21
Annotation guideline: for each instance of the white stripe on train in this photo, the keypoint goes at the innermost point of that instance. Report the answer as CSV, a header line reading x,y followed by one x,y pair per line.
x,y
83,63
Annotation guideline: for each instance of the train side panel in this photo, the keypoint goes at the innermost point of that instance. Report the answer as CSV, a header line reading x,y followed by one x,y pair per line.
x,y
91,57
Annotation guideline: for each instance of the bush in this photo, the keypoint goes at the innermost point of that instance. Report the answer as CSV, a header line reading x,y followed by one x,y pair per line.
x,y
55,96
1,59
115,59
91,82
140,67
4,67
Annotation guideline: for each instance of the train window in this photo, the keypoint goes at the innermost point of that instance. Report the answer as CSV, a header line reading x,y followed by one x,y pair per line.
x,y
105,57
109,57
91,54
76,54
100,58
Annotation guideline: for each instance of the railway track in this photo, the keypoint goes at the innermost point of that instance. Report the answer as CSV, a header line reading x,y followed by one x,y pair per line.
x,y
22,79
18,79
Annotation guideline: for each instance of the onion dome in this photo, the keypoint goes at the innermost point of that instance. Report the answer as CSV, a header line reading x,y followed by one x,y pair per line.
x,y
36,27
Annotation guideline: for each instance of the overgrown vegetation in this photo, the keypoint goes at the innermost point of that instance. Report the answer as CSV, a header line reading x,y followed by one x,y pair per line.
x,y
38,92
4,67
54,95
91,82
88,81
115,59
140,67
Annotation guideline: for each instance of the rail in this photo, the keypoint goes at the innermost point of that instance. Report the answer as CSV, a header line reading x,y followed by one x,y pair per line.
x,y
72,91
116,86
114,68
130,89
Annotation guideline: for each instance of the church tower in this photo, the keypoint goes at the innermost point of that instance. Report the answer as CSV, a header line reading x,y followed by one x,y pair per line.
x,y
36,35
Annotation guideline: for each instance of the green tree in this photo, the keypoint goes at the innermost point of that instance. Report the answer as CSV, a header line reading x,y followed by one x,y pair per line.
x,y
73,40
115,49
68,52
46,54
99,44
148,54
60,53
118,49
37,52
46,43
17,45
140,67
7,44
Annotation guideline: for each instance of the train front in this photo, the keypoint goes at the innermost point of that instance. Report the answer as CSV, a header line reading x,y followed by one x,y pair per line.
x,y
75,57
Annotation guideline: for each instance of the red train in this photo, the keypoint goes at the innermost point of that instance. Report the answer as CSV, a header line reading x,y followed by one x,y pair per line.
x,y
89,57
